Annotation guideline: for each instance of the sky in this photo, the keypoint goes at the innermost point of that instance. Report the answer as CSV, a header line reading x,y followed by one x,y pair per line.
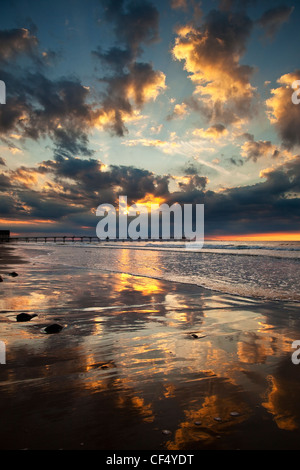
x,y
162,101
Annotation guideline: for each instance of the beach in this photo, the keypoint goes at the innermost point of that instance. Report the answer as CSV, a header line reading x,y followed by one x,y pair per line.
x,y
142,362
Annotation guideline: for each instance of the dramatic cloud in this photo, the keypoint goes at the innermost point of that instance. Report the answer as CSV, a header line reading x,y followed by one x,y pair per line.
x,y
192,183
179,111
15,42
213,133
66,190
274,18
62,108
283,113
252,150
132,83
211,55
38,107
135,22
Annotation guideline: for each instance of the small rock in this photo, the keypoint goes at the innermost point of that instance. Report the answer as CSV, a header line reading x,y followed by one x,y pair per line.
x,y
219,420
198,423
22,317
1,279
194,336
51,329
234,414
166,432
13,274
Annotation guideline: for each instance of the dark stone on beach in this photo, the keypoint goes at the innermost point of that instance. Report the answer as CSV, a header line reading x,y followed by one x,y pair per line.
x,y
13,274
194,336
22,317
1,279
52,329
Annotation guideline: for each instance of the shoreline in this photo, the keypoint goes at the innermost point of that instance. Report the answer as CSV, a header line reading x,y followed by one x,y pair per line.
x,y
196,283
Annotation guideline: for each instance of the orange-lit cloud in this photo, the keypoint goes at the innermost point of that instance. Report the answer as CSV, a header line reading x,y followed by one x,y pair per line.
x,y
212,133
282,112
9,222
213,62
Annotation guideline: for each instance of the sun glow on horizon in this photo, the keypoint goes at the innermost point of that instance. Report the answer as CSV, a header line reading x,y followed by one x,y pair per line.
x,y
260,237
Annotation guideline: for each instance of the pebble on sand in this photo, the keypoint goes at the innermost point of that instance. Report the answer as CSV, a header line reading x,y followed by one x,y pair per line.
x,y
198,423
234,414
219,420
1,279
13,274
51,329
22,317
166,432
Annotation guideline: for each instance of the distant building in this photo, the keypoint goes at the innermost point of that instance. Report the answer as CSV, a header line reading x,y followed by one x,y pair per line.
x,y
4,235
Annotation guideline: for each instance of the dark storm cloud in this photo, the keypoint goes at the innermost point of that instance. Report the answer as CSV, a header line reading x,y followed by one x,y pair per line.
x,y
115,58
15,42
271,205
252,150
38,107
91,179
130,84
274,18
283,113
135,22
195,182
4,182
74,187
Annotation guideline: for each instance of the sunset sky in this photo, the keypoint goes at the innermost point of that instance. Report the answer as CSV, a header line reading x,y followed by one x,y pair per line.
x,y
160,100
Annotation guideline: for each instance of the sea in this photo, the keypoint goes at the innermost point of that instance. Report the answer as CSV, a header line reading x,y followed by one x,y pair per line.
x,y
264,270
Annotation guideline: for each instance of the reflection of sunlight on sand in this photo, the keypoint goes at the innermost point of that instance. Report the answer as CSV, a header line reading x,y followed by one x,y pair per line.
x,y
257,348
280,405
176,308
143,358
138,403
147,286
130,261
212,406
161,352
23,302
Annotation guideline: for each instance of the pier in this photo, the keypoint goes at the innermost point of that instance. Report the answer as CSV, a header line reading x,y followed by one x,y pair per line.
x,y
55,239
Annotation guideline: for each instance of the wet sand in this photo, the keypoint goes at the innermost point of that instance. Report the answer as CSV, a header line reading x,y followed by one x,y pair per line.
x,y
138,356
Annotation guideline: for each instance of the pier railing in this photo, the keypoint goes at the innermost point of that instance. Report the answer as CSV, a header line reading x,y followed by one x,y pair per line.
x,y
55,239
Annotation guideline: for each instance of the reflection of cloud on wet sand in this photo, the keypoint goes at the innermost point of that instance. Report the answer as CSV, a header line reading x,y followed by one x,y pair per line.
x,y
127,350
